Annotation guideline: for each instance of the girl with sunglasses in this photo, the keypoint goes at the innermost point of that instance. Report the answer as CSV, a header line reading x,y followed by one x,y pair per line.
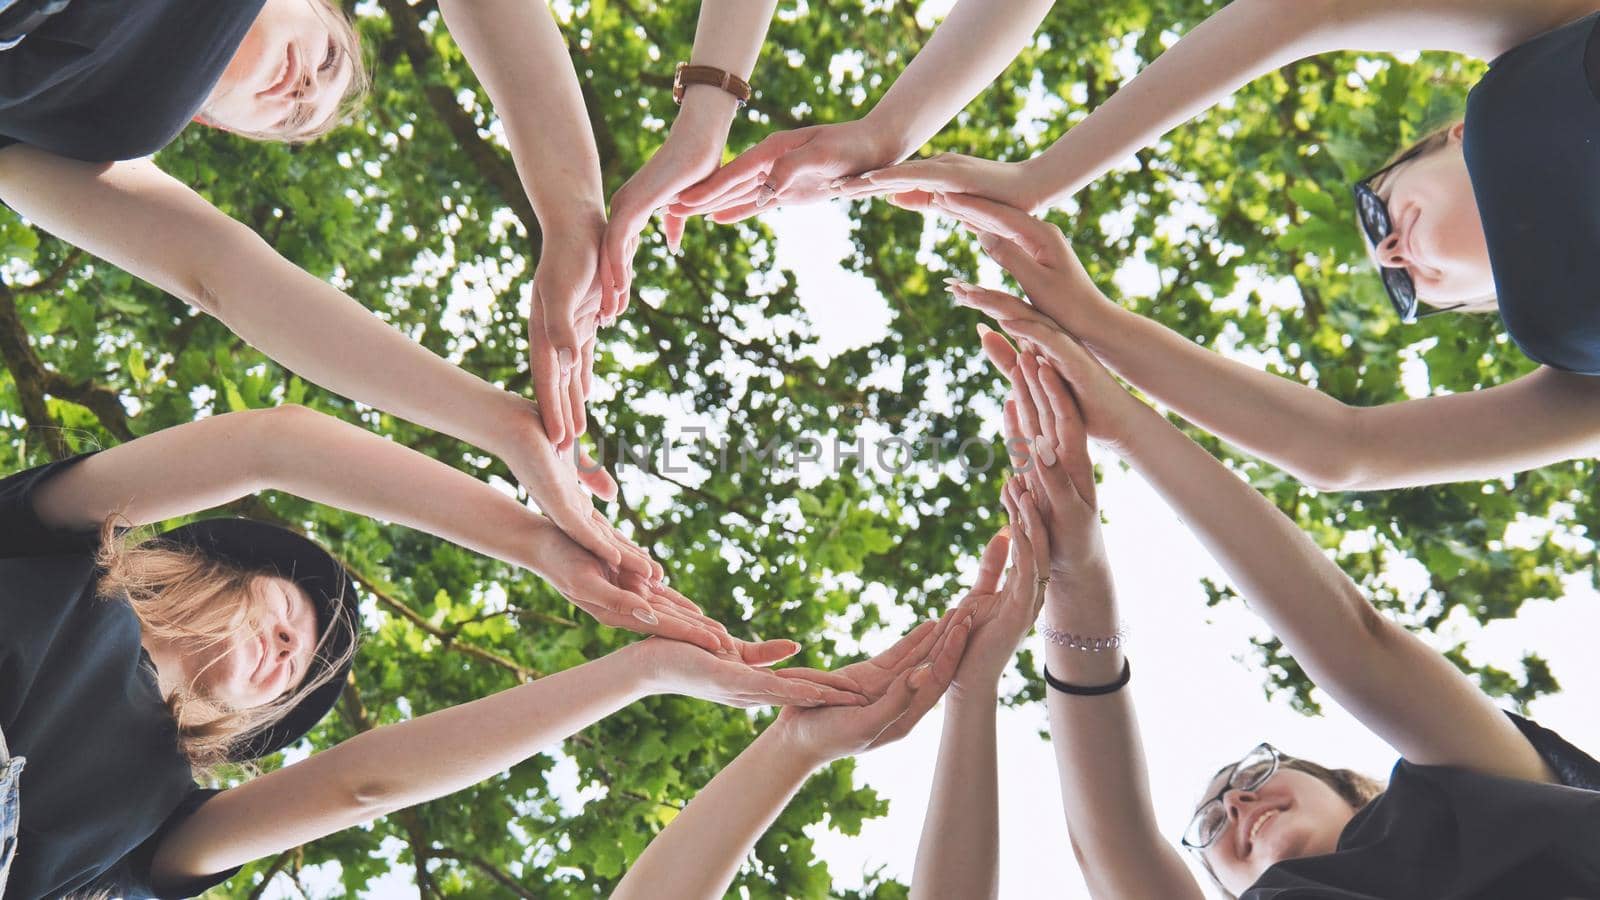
x,y
1481,805
1493,212
132,666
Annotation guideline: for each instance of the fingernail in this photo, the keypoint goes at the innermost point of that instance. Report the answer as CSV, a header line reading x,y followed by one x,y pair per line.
x,y
1005,531
837,183
564,358
984,330
1047,455
923,667
646,616
938,197
1039,359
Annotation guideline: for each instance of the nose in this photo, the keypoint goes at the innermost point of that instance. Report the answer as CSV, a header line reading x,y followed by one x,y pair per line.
x,y
1391,252
285,642
1237,802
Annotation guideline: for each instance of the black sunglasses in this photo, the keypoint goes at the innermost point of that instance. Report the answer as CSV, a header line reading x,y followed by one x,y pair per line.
x,y
1373,213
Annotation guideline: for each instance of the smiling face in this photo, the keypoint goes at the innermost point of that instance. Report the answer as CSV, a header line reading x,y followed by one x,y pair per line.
x,y
1293,814
290,74
1437,235
265,657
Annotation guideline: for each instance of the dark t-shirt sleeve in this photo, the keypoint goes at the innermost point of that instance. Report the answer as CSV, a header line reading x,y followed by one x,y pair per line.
x,y
21,532
131,877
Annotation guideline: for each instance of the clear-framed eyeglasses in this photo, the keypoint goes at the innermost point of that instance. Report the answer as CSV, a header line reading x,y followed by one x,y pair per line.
x,y
1248,774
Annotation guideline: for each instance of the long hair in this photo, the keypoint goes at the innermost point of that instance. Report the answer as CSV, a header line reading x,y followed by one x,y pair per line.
x,y
1355,788
182,597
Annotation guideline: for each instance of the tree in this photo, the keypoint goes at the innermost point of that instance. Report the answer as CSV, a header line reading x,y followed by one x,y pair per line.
x,y
417,212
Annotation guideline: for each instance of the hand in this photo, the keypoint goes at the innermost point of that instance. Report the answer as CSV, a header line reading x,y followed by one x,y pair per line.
x,y
1058,480
903,683
562,319
1002,617
733,678
691,152
557,485
913,183
1036,254
625,601
1104,407
789,167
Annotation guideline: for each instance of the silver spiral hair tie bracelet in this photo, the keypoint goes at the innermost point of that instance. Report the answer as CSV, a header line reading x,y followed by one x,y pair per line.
x,y
1080,642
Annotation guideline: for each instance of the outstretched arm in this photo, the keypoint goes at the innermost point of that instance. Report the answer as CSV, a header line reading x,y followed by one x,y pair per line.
x,y
727,36
1345,646
390,768
1241,42
517,52
1105,784
699,853
968,50
1542,418
138,218
202,464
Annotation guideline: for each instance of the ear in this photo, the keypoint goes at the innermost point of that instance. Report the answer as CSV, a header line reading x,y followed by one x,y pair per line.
x,y
1458,130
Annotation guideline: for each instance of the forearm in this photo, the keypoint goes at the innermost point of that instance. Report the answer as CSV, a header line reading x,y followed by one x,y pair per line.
x,y
969,49
141,220
698,854
1242,41
1295,427
1105,784
395,766
727,36
518,53
958,855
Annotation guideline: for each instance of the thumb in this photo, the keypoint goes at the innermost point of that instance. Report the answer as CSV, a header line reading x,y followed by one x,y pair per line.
x,y
793,165
594,476
766,653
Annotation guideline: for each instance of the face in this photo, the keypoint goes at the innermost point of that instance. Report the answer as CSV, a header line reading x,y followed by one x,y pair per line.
x,y
1293,814
1437,235
287,76
265,657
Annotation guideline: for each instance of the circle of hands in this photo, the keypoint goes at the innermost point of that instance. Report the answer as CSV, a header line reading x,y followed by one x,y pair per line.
x,y
1060,397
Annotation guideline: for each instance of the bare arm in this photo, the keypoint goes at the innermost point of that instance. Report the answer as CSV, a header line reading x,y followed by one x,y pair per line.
x,y
202,464
142,220
1400,688
1542,418
1105,783
699,853
390,768
1241,42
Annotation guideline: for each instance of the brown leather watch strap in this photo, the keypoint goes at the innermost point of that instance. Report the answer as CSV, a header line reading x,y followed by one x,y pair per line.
x,y
687,75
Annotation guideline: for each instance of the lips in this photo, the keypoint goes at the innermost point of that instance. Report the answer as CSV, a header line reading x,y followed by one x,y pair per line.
x,y
1253,825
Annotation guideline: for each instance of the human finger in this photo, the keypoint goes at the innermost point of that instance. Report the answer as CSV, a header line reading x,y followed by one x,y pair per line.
x,y
998,349
732,214
836,680
992,563
1015,259
1026,417
831,692
1031,404
909,645
929,684
1072,437
1042,240
747,165
765,653
998,305
545,368
672,229
594,476
673,623
1036,540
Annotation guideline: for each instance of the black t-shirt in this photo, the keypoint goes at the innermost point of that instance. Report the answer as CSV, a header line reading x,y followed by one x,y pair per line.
x,y
106,80
104,778
1443,833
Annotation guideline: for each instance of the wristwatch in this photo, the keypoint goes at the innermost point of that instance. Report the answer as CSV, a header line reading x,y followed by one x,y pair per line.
x,y
686,75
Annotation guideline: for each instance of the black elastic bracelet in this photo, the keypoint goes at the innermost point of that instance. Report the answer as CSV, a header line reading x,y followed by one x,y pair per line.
x,y
1094,690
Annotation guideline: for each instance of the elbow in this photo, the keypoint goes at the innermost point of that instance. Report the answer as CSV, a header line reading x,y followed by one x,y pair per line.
x,y
268,432
203,285
1336,459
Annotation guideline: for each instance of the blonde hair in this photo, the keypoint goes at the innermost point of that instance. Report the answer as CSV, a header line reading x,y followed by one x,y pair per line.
x,y
181,596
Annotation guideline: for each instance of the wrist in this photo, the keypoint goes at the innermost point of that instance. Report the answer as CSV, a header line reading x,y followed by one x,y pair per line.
x,y
573,215
888,134
976,697
785,742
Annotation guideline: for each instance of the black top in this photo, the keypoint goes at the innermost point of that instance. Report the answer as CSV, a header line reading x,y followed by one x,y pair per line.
x,y
1532,147
79,699
105,80
1444,833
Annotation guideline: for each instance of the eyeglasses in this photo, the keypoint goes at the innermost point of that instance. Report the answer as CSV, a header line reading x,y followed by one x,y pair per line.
x,y
1247,774
1376,224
